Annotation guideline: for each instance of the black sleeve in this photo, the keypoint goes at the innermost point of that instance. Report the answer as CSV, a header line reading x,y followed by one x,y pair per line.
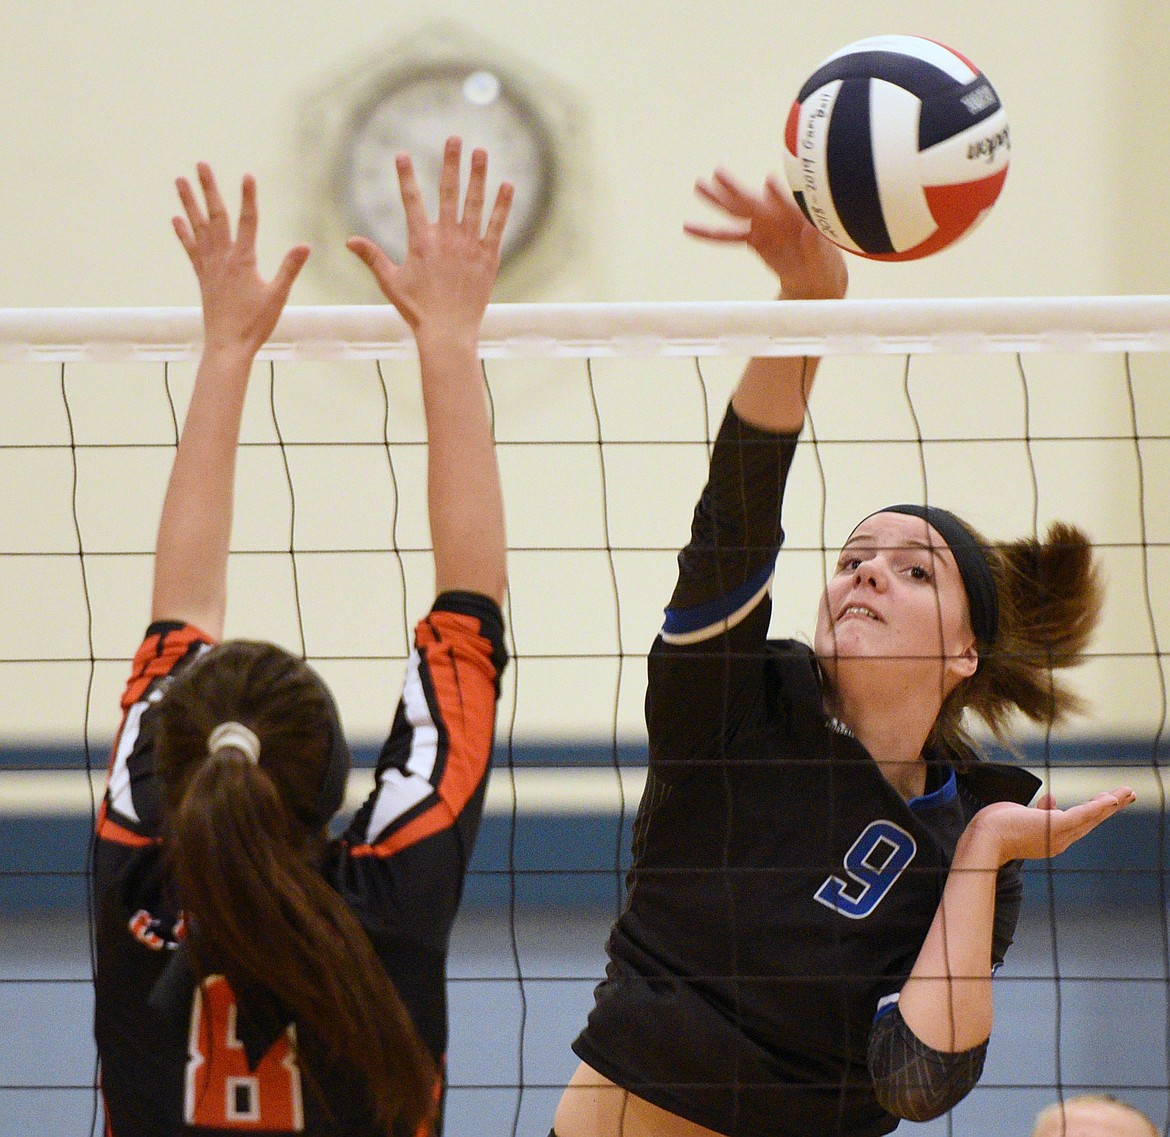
x,y
706,666
1009,894
736,532
914,1081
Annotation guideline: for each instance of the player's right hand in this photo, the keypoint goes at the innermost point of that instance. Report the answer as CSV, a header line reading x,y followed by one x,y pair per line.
x,y
809,266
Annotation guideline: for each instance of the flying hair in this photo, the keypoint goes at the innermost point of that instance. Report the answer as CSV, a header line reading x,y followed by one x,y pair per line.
x,y
1050,595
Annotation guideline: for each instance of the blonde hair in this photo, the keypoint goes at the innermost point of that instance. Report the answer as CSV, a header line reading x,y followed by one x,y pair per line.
x,y
1058,1113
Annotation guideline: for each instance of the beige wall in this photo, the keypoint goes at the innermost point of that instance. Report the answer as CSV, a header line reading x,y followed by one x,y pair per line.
x,y
103,105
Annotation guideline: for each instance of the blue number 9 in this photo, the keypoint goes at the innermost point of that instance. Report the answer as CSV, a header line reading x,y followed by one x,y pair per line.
x,y
876,859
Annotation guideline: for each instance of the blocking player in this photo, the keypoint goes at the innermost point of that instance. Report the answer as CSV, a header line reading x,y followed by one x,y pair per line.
x,y
825,874
253,975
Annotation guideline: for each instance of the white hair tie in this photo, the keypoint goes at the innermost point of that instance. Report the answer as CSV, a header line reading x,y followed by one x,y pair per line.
x,y
237,735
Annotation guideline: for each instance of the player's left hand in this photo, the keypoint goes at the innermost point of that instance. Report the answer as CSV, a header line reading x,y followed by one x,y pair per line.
x,y
240,308
449,269
1035,832
809,266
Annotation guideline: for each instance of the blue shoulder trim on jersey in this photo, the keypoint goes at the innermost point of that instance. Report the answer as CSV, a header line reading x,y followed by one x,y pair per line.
x,y
886,1004
948,791
704,621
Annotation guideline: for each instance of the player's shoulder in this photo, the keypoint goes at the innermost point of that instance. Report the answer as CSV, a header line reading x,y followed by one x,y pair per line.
x,y
131,810
796,676
795,655
468,614
167,647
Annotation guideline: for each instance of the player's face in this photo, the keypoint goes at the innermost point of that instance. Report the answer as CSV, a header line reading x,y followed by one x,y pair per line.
x,y
896,601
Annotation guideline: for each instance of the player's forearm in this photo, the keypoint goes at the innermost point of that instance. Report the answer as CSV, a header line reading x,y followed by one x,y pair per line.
x,y
464,497
773,392
947,1000
190,565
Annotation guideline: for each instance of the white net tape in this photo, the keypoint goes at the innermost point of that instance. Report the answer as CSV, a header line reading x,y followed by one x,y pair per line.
x,y
825,327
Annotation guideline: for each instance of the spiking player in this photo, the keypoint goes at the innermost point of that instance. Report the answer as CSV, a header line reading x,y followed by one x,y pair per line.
x,y
825,874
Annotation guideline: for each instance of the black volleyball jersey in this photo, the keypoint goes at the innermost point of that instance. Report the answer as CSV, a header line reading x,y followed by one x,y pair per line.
x,y
198,1062
781,887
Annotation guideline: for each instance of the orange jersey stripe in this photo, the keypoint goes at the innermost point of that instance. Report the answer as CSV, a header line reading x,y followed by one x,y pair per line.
x,y
457,660
109,830
463,678
155,659
435,820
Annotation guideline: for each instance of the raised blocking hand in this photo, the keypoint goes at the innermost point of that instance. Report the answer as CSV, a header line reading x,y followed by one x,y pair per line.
x,y
449,269
240,308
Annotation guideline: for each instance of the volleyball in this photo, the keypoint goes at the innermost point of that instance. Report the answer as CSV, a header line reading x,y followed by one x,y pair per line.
x,y
896,146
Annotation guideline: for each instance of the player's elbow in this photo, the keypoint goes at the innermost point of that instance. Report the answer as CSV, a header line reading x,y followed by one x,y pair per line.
x,y
914,1081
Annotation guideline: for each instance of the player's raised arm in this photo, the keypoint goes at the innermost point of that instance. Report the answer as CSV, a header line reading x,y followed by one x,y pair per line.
x,y
240,310
441,289
773,391
726,569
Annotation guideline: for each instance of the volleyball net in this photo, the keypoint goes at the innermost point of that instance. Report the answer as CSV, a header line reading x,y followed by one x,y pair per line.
x,y
1010,412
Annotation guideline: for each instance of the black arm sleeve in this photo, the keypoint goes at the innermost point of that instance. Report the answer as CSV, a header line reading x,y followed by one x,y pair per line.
x,y
912,1080
706,666
1009,894
736,530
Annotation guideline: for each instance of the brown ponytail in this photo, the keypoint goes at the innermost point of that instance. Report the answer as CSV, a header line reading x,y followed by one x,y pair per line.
x,y
1050,596
244,864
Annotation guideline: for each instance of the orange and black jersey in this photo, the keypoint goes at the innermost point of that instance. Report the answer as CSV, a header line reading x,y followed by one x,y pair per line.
x,y
781,888
400,866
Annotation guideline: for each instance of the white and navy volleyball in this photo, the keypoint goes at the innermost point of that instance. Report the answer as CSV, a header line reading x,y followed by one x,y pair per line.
x,y
896,146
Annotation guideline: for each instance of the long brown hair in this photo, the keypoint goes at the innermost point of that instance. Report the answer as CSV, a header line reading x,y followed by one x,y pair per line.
x,y
1050,595
245,859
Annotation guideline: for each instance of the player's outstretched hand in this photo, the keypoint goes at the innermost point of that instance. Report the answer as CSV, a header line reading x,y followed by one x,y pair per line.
x,y
809,266
240,309
446,277
1034,832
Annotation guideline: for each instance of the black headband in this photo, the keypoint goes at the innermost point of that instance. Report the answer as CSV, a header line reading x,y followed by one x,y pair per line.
x,y
982,599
